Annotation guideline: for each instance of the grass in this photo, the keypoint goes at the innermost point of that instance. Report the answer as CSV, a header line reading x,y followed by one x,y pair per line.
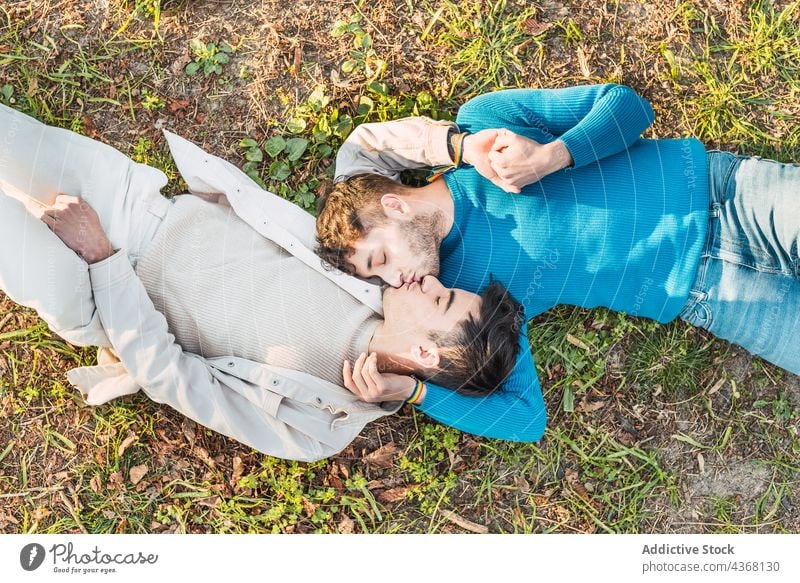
x,y
481,43
653,428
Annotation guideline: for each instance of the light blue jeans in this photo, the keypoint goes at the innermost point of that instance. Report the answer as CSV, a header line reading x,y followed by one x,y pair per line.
x,y
747,287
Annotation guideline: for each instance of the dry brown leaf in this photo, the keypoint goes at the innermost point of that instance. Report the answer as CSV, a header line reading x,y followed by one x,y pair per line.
x,y
33,87
178,107
533,27
7,517
238,470
309,506
346,525
115,481
383,457
96,484
212,502
201,453
523,484
126,443
88,127
137,473
394,495
574,481
179,63
586,406
40,513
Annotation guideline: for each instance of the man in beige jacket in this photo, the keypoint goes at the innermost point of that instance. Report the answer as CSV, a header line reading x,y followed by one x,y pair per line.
x,y
214,303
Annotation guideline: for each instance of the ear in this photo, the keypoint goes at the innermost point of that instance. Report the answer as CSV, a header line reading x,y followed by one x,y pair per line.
x,y
426,357
394,206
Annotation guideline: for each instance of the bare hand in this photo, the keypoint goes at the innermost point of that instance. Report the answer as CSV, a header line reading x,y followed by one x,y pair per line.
x,y
518,161
476,153
367,383
76,223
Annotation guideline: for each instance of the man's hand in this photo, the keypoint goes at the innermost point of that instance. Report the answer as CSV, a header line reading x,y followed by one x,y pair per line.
x,y
518,161
367,383
476,153
76,223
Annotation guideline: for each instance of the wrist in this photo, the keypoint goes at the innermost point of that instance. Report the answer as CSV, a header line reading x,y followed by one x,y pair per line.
x,y
99,254
458,153
417,394
560,156
467,155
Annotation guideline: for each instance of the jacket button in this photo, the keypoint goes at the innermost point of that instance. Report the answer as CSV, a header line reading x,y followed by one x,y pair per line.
x,y
230,363
318,400
275,382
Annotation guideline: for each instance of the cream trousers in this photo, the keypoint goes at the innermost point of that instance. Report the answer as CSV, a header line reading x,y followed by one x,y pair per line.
x,y
38,162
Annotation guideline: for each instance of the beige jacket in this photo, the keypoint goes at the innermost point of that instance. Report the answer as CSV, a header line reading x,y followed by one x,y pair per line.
x,y
285,413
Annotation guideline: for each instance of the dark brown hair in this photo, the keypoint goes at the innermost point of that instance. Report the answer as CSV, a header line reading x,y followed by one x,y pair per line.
x,y
479,355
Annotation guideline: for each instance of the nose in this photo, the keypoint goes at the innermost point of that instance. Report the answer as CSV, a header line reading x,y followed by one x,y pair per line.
x,y
430,283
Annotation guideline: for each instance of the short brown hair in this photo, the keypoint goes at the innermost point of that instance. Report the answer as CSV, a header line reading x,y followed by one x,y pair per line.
x,y
347,212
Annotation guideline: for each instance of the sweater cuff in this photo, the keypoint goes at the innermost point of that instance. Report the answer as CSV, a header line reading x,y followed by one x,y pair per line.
x,y
579,148
110,271
437,143
435,398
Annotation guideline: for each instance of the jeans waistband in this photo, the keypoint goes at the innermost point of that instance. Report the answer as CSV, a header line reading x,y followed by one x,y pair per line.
x,y
722,168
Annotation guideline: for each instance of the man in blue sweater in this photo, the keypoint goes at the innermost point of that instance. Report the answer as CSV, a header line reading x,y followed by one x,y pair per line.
x,y
554,193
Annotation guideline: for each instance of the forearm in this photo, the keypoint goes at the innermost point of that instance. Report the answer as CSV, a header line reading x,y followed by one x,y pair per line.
x,y
592,121
387,148
616,119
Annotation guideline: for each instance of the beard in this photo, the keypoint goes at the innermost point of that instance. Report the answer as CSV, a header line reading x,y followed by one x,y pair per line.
x,y
422,234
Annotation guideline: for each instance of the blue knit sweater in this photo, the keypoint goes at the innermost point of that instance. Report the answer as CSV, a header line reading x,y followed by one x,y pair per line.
x,y
622,228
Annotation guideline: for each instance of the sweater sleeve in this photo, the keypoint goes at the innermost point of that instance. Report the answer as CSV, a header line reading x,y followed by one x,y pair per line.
x,y
593,121
515,411
389,147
